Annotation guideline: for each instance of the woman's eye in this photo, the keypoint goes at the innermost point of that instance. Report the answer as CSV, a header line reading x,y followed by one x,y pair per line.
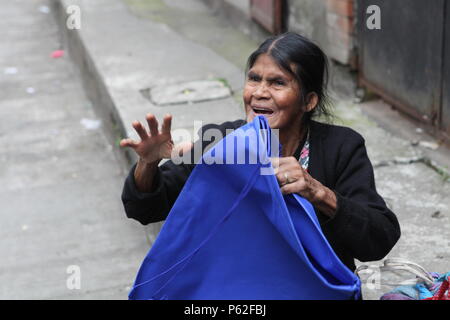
x,y
279,82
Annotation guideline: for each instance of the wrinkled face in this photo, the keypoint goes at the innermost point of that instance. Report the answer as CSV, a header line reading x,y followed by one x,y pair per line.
x,y
273,93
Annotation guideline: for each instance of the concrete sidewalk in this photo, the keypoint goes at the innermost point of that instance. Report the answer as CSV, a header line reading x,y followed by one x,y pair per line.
x,y
62,221
127,46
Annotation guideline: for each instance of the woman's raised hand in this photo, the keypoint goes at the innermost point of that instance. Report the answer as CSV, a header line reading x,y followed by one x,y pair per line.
x,y
154,145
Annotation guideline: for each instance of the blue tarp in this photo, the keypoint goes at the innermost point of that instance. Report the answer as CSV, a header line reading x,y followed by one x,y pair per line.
x,y
231,234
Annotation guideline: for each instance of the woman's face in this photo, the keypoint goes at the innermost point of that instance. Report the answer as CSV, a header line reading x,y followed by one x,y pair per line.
x,y
273,93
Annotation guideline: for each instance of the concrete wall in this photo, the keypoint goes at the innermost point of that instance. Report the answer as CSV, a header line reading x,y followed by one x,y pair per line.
x,y
237,13
307,17
330,23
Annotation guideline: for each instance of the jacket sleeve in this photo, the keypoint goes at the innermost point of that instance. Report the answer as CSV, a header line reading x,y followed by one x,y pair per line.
x,y
363,224
155,206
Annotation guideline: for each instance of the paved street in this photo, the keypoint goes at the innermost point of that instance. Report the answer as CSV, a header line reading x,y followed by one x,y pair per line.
x,y
60,180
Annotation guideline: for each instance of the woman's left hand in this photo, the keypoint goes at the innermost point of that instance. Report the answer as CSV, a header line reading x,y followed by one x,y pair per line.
x,y
292,178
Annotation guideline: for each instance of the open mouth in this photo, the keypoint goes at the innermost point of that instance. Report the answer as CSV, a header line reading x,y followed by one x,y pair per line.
x,y
260,110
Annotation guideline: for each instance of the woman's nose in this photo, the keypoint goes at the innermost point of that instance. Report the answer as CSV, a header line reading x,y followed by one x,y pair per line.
x,y
261,92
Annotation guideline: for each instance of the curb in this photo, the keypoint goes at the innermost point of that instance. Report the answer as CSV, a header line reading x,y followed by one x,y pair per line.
x,y
93,83
97,92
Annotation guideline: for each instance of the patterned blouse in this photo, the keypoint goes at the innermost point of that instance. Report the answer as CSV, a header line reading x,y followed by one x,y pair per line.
x,y
304,154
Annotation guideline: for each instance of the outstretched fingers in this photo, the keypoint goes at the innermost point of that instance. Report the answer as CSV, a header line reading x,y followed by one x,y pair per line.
x,y
144,134
152,124
167,124
140,130
128,143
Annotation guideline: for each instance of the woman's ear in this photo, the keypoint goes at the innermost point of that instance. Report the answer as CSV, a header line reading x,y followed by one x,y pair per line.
x,y
311,101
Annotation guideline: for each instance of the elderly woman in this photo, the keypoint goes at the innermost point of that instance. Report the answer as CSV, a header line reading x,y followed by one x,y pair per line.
x,y
326,164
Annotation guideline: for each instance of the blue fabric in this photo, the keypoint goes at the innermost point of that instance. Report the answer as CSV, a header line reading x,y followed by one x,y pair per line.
x,y
409,291
418,291
231,234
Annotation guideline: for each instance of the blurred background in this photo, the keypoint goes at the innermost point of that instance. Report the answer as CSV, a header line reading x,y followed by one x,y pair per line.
x,y
74,74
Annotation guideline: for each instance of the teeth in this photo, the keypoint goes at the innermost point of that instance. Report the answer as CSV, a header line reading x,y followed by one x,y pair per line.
x,y
262,110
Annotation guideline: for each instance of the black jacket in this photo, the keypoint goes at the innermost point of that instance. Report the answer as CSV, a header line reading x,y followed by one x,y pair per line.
x,y
363,227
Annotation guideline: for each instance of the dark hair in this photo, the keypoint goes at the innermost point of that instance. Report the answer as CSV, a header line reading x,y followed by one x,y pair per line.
x,y
311,69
